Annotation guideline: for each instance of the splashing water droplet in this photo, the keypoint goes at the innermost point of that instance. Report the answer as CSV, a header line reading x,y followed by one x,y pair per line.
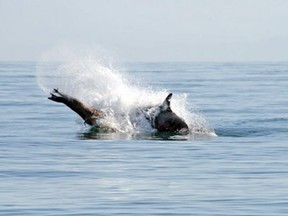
x,y
105,88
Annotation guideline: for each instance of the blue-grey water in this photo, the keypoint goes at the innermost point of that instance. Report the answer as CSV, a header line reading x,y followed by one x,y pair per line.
x,y
48,166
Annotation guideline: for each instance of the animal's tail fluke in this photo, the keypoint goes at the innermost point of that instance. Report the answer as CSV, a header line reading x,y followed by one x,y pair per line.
x,y
88,114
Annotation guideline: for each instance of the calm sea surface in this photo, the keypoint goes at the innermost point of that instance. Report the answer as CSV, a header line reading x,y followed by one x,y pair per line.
x,y
49,167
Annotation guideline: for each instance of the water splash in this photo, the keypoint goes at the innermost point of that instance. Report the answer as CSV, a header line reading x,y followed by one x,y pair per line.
x,y
97,84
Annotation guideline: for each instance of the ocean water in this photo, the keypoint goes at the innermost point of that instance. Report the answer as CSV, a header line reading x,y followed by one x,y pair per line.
x,y
52,164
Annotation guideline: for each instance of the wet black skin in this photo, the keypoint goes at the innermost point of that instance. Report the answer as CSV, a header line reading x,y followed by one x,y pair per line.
x,y
168,121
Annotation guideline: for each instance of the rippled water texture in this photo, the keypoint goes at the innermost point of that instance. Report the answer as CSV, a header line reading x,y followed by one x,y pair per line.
x,y
50,164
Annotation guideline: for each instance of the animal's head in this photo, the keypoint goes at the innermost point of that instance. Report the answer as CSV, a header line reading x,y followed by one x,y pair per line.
x,y
166,120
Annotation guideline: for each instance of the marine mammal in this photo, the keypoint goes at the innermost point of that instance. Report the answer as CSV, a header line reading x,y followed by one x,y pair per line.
x,y
164,119
88,114
160,117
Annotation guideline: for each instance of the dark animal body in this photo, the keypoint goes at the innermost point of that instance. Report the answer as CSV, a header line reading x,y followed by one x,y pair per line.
x,y
169,121
164,118
88,114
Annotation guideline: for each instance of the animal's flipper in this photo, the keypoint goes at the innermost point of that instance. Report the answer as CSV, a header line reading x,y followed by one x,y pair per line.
x,y
166,104
56,98
88,114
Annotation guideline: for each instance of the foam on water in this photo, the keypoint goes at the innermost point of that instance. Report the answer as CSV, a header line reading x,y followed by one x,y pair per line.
x,y
97,84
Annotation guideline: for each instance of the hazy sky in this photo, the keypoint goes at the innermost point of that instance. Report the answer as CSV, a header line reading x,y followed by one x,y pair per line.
x,y
147,30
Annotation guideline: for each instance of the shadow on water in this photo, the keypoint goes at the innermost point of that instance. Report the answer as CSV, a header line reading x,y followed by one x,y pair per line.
x,y
243,128
169,136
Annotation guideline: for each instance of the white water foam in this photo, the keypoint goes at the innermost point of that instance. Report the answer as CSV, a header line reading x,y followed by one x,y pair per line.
x,y
97,84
